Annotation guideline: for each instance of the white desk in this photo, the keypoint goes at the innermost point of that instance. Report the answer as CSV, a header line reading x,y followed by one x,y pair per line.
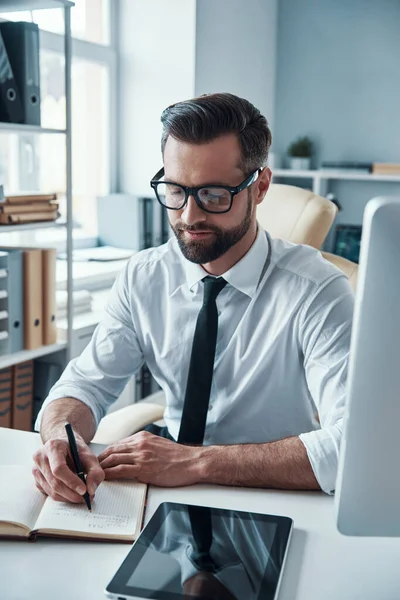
x,y
321,564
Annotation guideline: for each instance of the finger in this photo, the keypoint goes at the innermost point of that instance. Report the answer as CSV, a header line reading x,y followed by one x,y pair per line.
x,y
46,489
57,460
118,448
39,487
118,459
94,472
122,472
59,487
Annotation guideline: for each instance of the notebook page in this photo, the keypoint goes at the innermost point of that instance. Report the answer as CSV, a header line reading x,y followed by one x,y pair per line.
x,y
20,500
116,510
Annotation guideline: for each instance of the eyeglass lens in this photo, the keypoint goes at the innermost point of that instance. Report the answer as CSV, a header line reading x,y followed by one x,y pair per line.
x,y
213,199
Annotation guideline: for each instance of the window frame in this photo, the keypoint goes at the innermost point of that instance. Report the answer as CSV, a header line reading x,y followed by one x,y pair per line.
x,y
106,55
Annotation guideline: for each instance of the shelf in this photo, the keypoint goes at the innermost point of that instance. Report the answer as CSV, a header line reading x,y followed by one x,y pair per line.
x,y
17,5
30,226
21,128
321,174
18,357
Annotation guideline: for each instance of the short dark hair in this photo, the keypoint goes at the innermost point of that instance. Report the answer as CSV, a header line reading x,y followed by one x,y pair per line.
x,y
207,117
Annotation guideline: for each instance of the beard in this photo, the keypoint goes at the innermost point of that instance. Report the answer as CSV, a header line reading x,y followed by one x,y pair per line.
x,y
206,251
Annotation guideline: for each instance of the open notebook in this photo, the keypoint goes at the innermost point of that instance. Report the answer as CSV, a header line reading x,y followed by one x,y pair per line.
x,y
117,510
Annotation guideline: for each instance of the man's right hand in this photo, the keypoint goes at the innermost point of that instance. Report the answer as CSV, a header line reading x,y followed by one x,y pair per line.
x,y
55,475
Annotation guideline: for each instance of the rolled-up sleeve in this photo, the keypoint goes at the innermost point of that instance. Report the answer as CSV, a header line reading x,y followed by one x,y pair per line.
x,y
98,376
325,339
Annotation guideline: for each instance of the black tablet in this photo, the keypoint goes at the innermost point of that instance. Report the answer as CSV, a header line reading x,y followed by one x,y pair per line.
x,y
188,552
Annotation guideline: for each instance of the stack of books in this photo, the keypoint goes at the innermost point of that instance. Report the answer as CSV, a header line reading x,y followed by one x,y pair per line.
x,y
386,168
82,302
28,208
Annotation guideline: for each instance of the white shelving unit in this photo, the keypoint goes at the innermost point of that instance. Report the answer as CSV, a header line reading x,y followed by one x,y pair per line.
x,y
18,128
66,5
17,357
320,178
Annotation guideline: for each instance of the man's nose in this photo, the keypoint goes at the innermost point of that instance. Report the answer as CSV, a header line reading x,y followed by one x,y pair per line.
x,y
192,213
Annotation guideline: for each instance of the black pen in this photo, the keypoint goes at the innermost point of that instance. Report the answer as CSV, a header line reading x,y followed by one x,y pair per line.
x,y
77,461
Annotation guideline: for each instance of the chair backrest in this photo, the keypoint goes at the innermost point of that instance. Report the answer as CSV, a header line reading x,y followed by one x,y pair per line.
x,y
349,268
295,214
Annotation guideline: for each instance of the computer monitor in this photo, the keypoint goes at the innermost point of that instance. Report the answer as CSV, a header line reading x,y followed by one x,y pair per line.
x,y
368,483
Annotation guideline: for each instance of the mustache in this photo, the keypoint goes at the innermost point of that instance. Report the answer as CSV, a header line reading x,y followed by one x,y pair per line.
x,y
197,229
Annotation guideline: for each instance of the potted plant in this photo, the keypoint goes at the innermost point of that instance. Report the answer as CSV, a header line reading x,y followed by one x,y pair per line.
x,y
300,152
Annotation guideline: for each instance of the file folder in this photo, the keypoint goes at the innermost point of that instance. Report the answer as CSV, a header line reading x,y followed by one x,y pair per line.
x,y
22,396
49,256
12,262
5,397
33,284
22,43
157,223
11,110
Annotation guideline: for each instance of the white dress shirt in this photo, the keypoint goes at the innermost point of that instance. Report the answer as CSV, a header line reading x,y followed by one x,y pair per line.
x,y
281,355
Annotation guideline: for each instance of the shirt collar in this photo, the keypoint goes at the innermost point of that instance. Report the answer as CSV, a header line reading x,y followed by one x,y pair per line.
x,y
244,275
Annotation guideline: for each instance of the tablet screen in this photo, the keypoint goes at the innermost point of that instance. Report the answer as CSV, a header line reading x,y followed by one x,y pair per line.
x,y
198,552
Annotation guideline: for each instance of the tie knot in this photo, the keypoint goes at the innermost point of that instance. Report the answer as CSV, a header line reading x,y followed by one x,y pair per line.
x,y
212,287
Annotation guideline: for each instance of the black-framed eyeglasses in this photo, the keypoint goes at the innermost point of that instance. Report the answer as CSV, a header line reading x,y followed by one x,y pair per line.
x,y
211,198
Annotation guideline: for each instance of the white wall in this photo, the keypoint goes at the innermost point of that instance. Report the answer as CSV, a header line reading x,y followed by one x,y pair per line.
x,y
236,44
157,48
172,50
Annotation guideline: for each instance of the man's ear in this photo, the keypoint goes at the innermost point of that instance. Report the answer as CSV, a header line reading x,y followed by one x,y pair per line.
x,y
263,183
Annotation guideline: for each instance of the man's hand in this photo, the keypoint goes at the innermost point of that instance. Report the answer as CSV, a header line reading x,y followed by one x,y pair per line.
x,y
152,459
55,475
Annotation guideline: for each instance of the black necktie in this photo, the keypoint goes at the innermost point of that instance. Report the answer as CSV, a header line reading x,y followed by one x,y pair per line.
x,y
201,524
201,366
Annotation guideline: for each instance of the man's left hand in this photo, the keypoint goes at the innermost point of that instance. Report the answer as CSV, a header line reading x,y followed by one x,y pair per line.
x,y
152,459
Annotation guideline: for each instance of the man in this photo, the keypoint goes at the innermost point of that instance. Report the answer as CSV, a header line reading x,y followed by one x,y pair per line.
x,y
280,313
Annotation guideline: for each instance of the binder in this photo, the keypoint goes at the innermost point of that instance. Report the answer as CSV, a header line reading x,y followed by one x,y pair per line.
x,y
49,256
157,223
164,227
148,222
11,110
33,284
22,396
12,262
22,43
5,397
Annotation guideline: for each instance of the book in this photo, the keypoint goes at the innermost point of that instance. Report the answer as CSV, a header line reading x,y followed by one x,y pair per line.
x,y
18,199
28,217
26,513
386,169
28,207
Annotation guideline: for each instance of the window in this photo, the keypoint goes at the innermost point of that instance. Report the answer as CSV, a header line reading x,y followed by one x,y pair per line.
x,y
90,20
37,162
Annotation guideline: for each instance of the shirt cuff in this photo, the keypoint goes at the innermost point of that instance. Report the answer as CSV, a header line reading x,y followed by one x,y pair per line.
x,y
323,453
71,391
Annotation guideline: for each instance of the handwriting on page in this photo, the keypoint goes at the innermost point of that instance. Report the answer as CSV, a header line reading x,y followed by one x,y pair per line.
x,y
93,520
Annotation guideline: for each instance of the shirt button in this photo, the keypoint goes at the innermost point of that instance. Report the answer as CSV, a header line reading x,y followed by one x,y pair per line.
x,y
210,406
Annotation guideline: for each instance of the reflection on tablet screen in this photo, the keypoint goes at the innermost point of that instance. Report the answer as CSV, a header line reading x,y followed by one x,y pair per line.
x,y
207,553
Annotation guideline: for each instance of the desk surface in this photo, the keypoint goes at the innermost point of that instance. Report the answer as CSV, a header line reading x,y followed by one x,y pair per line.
x,y
321,564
